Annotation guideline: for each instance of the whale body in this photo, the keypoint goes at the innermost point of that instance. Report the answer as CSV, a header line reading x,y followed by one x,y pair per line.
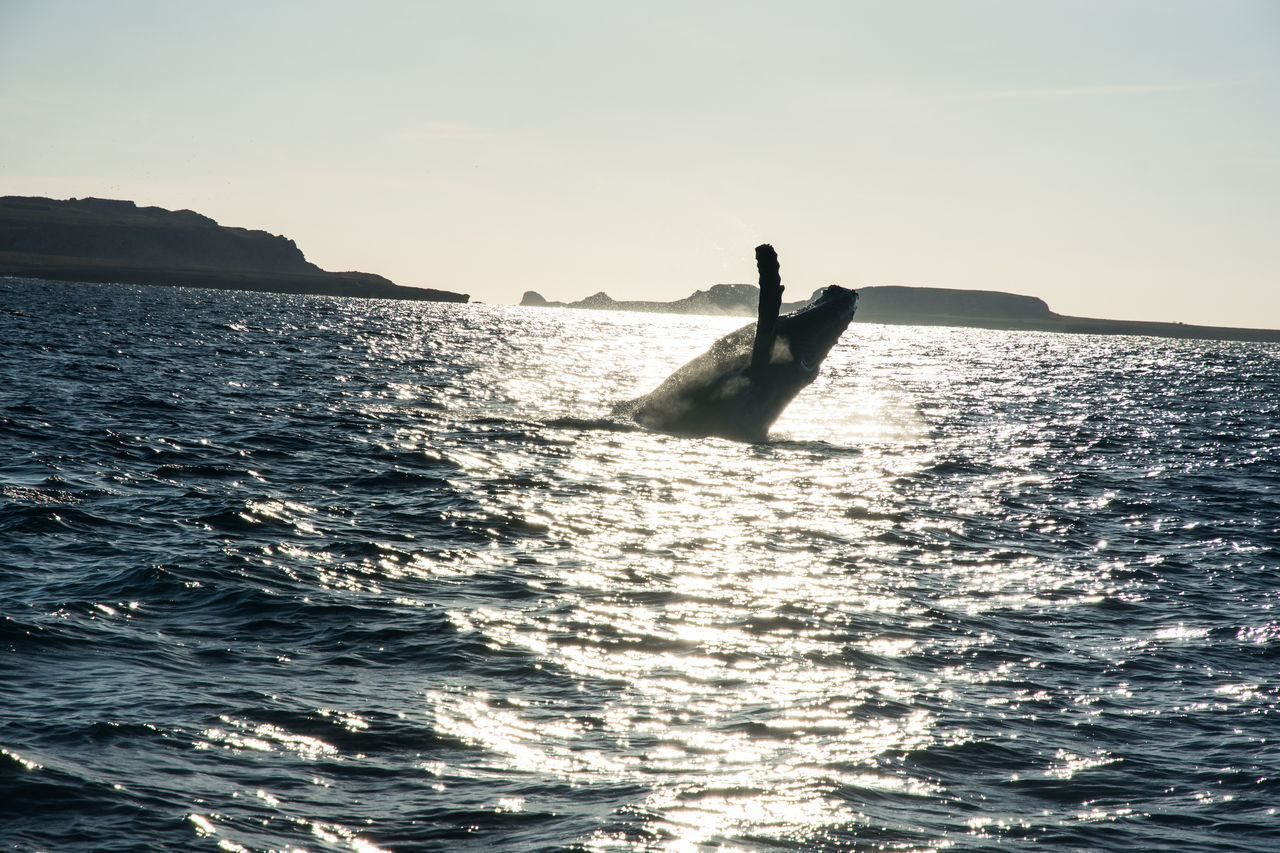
x,y
740,386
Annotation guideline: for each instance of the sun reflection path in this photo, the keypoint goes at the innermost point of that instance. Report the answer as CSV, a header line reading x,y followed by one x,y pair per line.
x,y
763,634
743,719
756,637
738,733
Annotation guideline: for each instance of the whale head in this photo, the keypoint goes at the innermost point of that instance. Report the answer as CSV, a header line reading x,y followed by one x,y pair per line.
x,y
810,333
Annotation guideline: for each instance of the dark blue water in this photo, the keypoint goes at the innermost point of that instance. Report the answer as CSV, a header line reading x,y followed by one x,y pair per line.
x,y
297,573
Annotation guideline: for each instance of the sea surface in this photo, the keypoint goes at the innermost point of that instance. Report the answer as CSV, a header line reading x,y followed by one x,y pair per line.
x,y
290,573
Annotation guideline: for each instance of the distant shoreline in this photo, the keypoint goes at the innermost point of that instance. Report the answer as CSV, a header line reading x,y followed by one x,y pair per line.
x,y
110,241
925,306
344,288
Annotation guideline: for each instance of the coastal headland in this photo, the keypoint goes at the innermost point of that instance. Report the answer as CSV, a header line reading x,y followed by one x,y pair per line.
x,y
109,240
923,306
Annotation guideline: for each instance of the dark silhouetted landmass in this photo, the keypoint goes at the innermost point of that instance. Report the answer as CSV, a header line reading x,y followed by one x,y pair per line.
x,y
730,299
924,306
105,240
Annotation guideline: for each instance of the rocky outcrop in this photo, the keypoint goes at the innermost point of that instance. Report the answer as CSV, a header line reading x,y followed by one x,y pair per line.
x,y
108,240
727,299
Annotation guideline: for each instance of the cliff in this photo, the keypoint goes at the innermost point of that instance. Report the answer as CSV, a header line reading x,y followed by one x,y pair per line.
x,y
106,240
924,306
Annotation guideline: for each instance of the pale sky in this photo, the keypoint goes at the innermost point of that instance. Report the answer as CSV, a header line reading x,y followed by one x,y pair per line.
x,y
1118,158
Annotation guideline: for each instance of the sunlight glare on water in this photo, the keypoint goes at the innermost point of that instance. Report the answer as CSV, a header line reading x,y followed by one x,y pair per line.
x,y
313,574
718,612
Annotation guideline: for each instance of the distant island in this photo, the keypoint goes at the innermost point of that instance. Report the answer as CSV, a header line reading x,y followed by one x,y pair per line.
x,y
108,240
923,306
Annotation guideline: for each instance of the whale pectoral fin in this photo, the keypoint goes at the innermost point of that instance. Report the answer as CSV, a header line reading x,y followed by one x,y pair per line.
x,y
770,305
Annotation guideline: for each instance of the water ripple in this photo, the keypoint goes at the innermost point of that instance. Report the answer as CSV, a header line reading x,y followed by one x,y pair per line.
x,y
305,573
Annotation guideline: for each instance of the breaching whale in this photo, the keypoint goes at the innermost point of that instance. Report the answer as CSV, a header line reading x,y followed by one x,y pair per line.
x,y
738,388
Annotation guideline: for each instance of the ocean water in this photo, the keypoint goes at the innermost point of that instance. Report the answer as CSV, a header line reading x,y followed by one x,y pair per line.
x,y
290,573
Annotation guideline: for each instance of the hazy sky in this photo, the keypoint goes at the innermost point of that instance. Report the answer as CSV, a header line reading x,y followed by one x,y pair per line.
x,y
1118,159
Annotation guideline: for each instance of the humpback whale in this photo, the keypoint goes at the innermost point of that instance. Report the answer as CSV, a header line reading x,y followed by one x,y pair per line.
x,y
738,387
